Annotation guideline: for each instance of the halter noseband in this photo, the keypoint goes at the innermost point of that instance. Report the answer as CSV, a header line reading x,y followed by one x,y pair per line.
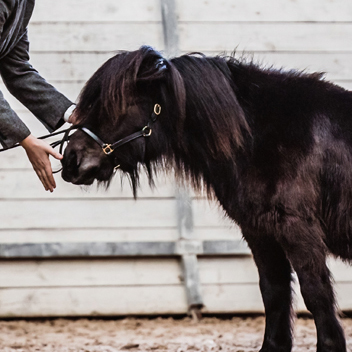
x,y
108,148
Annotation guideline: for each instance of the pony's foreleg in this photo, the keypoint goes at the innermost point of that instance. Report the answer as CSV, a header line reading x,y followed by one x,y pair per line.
x,y
275,285
305,249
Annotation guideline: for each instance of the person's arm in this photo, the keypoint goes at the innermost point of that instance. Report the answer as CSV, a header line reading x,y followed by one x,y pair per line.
x,y
32,90
42,99
12,129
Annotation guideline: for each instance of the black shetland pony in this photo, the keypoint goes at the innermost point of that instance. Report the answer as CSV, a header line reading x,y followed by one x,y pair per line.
x,y
274,147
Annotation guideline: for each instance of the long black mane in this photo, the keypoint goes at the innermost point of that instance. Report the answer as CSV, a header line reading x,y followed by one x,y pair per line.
x,y
214,106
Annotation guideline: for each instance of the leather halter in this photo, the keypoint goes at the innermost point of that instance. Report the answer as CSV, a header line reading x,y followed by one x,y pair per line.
x,y
108,148
146,131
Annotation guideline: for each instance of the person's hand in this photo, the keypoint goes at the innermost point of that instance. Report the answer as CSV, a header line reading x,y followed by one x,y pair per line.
x,y
38,153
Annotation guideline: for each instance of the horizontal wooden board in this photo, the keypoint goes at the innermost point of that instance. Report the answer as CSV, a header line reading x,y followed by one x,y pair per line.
x,y
230,298
341,272
110,36
93,235
109,213
227,36
60,250
24,184
264,11
133,271
94,301
247,299
70,66
96,11
122,272
149,300
344,296
227,270
201,36
89,273
113,235
197,10
82,214
135,286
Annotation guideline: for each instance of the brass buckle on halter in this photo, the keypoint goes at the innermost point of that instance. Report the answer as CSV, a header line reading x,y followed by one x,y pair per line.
x,y
147,131
107,149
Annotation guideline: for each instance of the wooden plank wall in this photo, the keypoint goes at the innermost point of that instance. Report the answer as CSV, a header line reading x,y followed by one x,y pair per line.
x,y
69,40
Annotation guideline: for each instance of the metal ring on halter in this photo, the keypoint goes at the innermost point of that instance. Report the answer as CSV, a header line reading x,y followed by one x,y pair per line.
x,y
157,109
147,131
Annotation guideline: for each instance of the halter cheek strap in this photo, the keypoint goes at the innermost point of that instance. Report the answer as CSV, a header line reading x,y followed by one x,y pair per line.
x,y
109,148
146,131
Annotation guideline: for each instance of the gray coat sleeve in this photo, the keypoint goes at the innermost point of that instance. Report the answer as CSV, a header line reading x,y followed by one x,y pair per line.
x,y
25,83
12,129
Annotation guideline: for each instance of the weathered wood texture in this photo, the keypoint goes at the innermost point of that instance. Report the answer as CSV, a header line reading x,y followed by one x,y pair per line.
x,y
188,249
70,39
127,286
97,11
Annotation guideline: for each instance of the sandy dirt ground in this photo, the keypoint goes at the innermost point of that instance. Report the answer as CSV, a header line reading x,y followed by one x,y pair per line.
x,y
239,334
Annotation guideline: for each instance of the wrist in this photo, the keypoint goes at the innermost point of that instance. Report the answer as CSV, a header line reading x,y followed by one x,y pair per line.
x,y
27,141
69,112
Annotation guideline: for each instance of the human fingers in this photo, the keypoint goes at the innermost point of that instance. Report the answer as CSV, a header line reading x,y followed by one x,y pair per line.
x,y
50,178
53,152
46,173
43,178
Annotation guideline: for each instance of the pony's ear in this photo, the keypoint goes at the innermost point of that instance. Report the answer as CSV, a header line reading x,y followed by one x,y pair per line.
x,y
152,68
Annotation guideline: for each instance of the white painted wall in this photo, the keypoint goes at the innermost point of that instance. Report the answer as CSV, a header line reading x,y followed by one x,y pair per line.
x,y
69,40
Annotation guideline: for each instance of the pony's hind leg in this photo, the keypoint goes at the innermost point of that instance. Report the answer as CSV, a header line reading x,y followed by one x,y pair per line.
x,y
304,247
275,285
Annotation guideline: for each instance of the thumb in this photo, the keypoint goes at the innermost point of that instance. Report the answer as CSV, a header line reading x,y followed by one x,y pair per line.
x,y
54,153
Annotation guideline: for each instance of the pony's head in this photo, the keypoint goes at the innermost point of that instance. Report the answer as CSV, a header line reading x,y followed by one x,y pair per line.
x,y
133,111
120,108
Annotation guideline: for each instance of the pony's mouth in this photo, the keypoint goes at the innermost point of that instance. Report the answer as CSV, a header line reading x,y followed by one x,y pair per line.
x,y
87,178
80,180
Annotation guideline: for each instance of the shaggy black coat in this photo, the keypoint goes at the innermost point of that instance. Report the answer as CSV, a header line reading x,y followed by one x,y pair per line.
x,y
274,147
